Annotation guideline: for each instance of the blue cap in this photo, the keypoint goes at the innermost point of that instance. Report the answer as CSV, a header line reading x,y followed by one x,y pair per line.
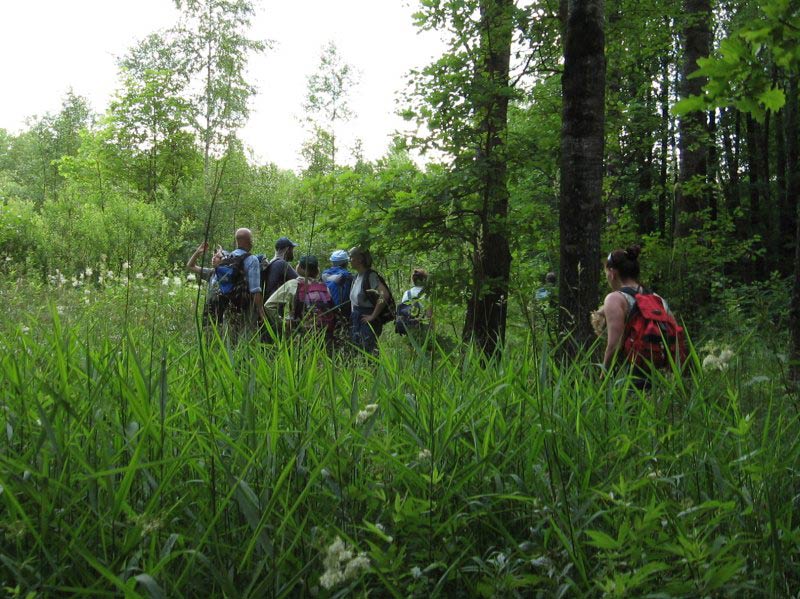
x,y
284,242
340,256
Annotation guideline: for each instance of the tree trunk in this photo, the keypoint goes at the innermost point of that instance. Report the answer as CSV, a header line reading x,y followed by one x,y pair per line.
x,y
582,130
665,123
754,179
693,142
713,165
768,205
792,189
790,201
485,321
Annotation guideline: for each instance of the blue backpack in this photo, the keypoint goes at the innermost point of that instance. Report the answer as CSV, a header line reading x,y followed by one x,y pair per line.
x,y
340,290
233,290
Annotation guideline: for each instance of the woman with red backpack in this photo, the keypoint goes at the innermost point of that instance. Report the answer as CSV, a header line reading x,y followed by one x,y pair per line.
x,y
642,331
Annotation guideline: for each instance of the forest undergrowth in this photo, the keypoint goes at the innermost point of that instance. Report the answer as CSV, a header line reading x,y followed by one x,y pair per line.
x,y
137,461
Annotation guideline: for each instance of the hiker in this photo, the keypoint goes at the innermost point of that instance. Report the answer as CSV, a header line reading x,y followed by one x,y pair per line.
x,y
371,302
414,312
339,281
640,327
211,311
278,271
304,303
543,293
239,277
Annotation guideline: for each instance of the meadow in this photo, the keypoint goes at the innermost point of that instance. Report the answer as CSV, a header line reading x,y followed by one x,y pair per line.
x,y
137,461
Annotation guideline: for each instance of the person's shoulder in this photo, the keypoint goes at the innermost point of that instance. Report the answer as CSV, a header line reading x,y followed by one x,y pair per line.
x,y
614,297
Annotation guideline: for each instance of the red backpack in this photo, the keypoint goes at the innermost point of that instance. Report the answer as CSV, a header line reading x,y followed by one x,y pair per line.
x,y
313,307
652,334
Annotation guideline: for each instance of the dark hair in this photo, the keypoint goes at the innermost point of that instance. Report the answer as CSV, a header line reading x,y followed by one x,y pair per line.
x,y
363,254
625,261
310,265
419,276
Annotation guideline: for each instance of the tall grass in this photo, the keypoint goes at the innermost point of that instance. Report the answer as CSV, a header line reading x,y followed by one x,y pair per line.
x,y
526,476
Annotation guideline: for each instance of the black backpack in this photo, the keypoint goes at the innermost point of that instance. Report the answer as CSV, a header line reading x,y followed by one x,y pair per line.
x,y
388,313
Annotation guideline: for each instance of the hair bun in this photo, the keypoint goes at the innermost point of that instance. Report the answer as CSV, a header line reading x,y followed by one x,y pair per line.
x,y
633,252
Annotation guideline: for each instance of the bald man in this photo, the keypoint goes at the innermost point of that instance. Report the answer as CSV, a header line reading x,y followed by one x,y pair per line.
x,y
252,270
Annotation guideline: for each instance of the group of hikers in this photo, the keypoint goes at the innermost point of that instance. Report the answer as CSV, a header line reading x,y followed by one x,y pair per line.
x,y
248,293
251,292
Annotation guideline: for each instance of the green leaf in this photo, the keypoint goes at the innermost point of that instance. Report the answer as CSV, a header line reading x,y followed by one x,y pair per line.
x,y
772,99
690,104
602,540
756,35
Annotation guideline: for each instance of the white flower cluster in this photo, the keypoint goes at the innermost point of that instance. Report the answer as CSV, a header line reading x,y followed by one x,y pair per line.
x,y
341,565
717,359
57,279
424,455
365,414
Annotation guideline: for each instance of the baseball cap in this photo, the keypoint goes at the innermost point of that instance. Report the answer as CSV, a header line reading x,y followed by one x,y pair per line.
x,y
284,242
340,256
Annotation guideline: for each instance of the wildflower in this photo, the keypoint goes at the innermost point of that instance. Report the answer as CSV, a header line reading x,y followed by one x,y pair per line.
x,y
109,274
139,276
165,281
9,258
364,414
172,293
60,309
125,266
718,357
416,572
341,565
359,562
25,329
424,455
177,281
88,272
75,282
190,277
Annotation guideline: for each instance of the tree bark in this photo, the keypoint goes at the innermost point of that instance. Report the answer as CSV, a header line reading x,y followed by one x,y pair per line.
x,y
485,321
713,165
755,219
793,205
789,205
665,123
582,131
693,127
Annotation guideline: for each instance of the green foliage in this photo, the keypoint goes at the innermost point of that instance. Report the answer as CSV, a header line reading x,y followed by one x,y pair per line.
x,y
136,461
19,224
739,75
122,229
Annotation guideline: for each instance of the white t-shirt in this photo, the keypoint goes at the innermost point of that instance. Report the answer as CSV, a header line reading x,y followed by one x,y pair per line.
x,y
412,293
355,291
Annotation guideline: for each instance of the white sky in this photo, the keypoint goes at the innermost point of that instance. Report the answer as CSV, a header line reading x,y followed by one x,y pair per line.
x,y
48,46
